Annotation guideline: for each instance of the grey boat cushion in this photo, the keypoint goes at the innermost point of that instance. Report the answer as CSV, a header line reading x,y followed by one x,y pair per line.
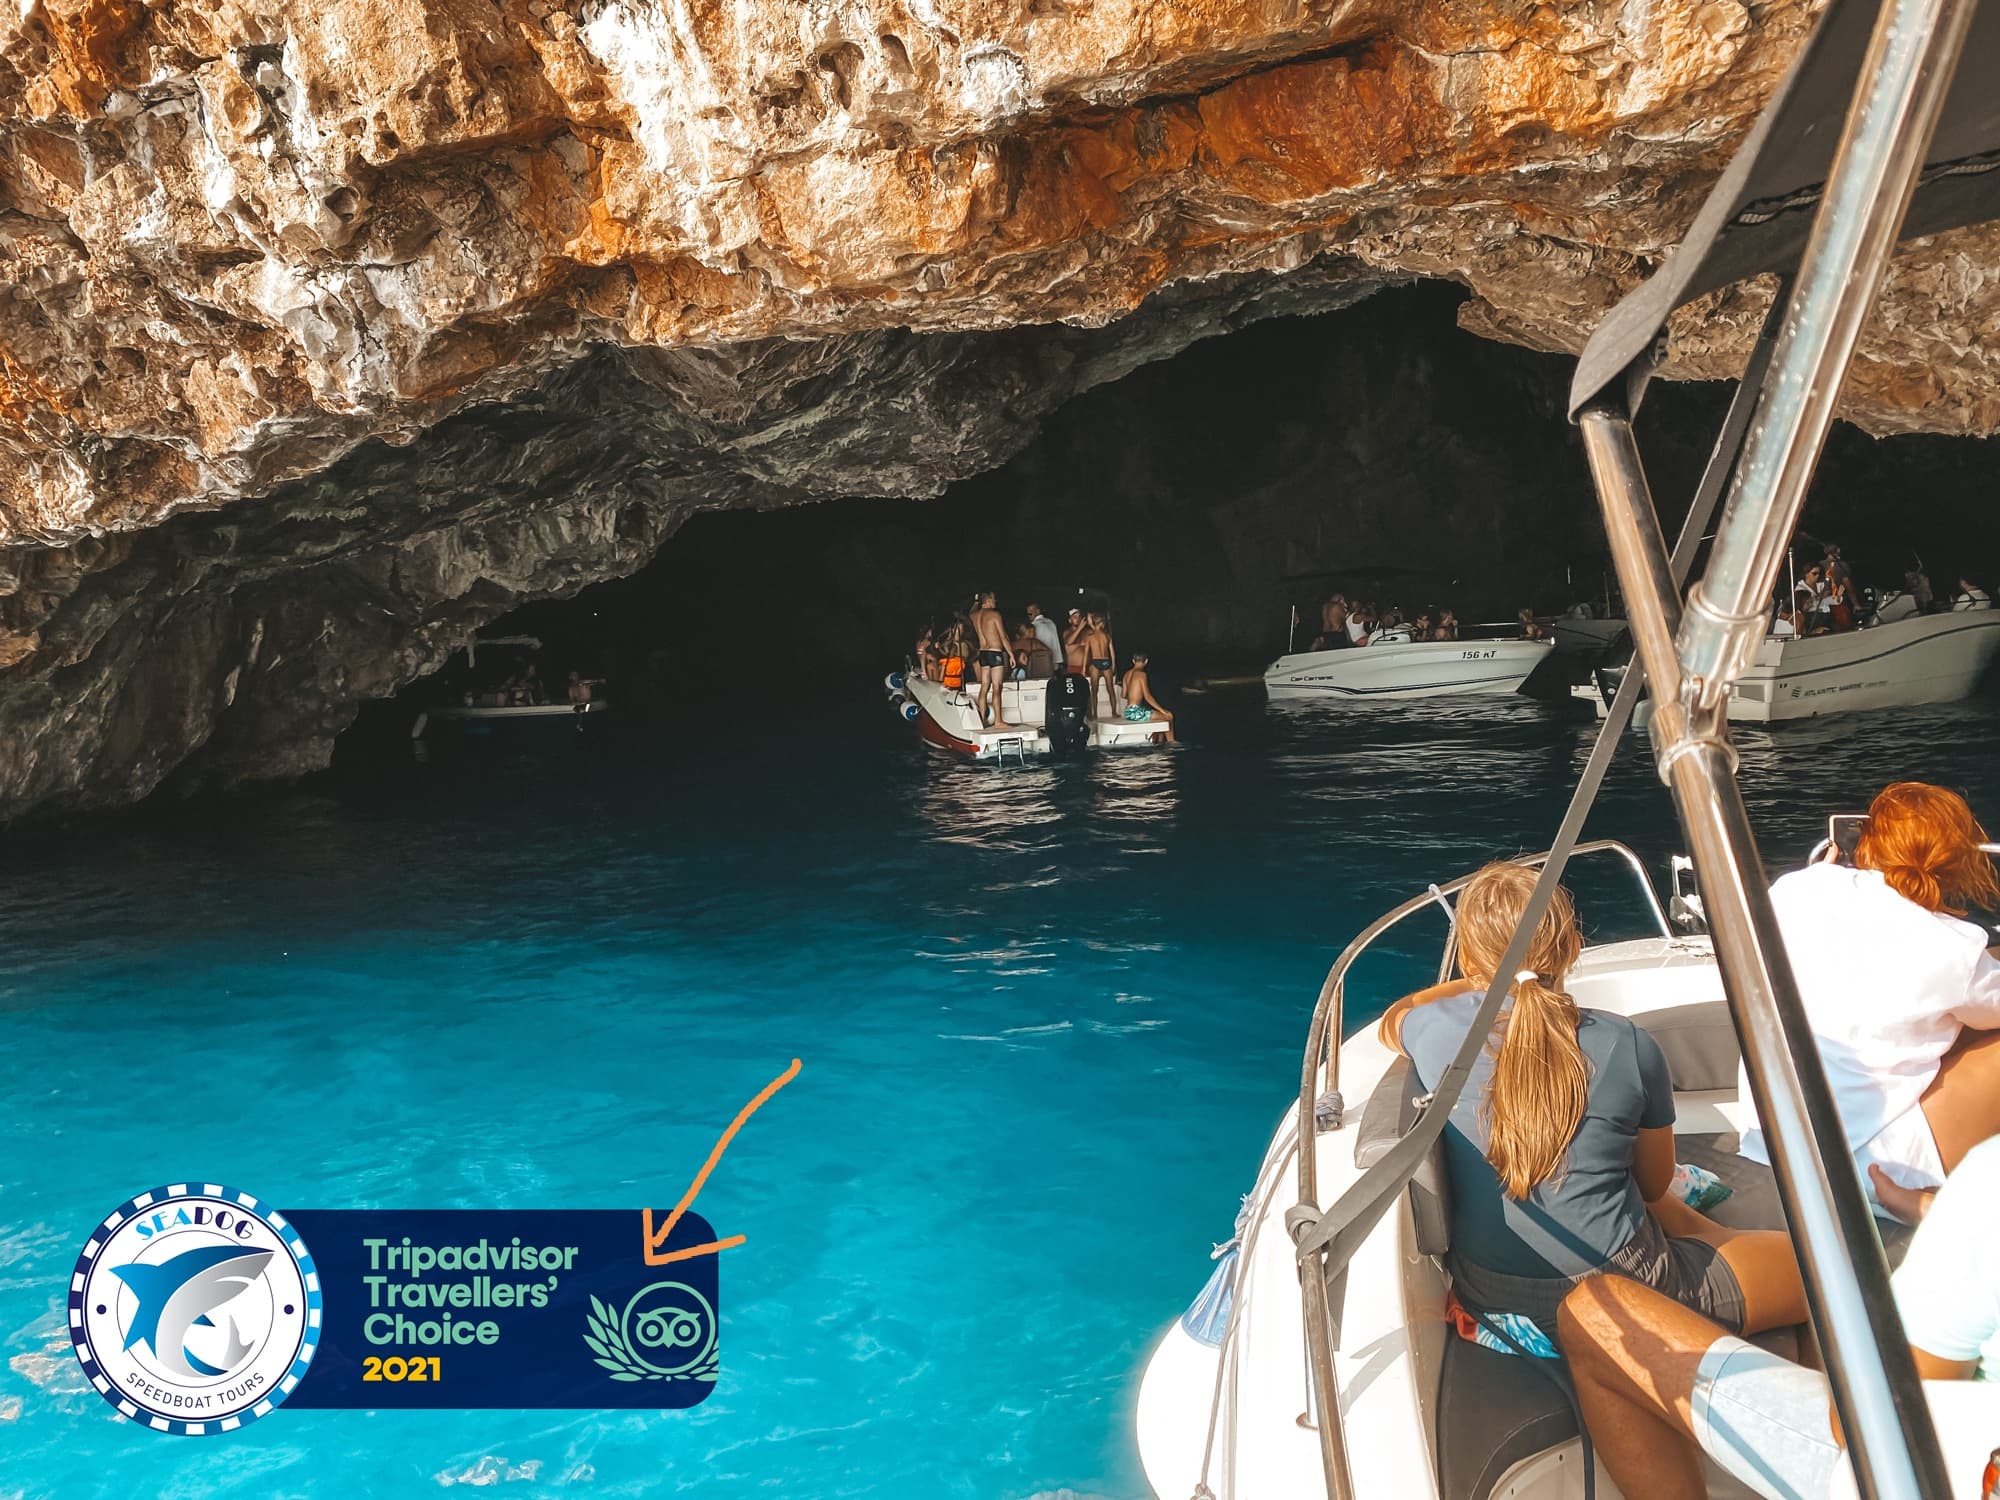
x,y
1700,1044
1386,1118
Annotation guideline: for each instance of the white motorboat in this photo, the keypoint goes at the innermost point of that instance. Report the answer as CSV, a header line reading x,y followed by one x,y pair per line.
x,y
1429,1415
1904,660
949,718
499,705
1391,668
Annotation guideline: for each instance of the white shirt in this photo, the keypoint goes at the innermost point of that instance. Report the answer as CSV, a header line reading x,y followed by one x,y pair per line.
x,y
1948,1292
1885,984
1948,1286
1356,630
1048,635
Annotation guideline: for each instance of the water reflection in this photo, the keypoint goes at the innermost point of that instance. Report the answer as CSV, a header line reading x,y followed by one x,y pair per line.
x,y
1139,791
1020,808
1011,807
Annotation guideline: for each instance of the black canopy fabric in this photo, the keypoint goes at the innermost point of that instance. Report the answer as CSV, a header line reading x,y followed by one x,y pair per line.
x,y
1759,212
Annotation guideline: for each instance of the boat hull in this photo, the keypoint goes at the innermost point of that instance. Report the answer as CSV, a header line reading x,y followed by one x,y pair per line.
x,y
949,719
483,717
1411,669
1920,659
1905,663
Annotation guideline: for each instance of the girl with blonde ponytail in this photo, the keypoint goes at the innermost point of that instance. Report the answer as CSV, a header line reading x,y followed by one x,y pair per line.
x,y
1560,1151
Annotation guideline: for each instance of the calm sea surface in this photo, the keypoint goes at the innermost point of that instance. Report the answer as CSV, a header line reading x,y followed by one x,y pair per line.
x,y
1048,1018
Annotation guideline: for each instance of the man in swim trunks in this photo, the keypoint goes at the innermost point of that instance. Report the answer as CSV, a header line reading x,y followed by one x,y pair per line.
x,y
1075,657
995,657
1141,706
1101,660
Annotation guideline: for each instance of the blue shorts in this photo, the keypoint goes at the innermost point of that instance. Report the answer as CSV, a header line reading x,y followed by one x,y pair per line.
x,y
1765,1420
1137,713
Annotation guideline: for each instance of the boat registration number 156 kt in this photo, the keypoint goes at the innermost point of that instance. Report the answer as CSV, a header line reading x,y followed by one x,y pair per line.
x,y
1477,655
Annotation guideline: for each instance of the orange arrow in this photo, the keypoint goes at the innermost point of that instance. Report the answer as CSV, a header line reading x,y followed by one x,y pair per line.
x,y
656,1238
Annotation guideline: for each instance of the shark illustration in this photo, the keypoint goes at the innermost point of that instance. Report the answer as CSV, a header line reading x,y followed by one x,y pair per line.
x,y
179,1294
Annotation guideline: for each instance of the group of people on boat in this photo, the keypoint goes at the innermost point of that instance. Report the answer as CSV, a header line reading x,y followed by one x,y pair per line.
x,y
1029,650
1363,622
1344,623
1826,602
525,689
1567,1219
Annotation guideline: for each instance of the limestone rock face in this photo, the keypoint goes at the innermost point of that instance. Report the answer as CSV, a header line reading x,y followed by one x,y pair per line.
x,y
329,331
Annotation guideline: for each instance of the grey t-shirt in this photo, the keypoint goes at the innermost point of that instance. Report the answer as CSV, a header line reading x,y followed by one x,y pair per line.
x,y
1577,1220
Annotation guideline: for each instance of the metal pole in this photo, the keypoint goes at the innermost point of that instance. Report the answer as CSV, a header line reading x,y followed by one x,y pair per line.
x,y
1900,93
1875,1385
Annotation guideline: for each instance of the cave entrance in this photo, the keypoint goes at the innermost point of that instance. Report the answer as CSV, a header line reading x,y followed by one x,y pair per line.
x,y
1209,494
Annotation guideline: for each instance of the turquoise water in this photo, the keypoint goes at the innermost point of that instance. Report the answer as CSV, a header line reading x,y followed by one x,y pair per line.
x,y
1047,1016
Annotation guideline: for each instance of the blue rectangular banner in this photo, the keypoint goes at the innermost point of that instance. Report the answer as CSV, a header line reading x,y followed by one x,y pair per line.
x,y
507,1308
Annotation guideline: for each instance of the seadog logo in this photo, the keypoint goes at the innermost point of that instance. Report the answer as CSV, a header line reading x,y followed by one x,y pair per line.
x,y
194,1309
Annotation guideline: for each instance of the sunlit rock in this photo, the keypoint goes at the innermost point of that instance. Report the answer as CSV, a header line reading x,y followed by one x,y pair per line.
x,y
328,332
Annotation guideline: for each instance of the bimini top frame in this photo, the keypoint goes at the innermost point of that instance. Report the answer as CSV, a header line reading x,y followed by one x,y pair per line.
x,y
1866,121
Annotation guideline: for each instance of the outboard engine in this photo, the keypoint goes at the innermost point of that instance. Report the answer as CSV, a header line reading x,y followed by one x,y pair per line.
x,y
1066,715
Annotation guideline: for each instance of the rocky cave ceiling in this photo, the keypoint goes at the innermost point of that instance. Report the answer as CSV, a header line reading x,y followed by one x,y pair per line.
x,y
328,332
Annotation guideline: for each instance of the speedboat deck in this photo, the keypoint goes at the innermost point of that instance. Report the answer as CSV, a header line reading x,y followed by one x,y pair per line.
x,y
1444,1418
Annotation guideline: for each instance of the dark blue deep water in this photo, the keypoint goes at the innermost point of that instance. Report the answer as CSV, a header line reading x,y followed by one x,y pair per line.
x,y
1048,1018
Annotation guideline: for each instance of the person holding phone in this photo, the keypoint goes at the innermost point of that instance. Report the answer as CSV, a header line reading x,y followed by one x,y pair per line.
x,y
1901,992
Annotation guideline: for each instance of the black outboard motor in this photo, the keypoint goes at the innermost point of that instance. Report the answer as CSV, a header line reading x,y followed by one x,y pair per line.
x,y
1066,715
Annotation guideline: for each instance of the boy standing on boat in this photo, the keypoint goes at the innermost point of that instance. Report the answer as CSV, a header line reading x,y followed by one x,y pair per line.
x,y
1102,658
1075,653
990,631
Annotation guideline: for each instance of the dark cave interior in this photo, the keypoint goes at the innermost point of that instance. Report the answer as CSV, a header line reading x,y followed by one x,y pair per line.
x,y
1209,493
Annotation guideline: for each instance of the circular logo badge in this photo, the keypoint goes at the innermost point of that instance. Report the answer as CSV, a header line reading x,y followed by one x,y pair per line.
x,y
194,1309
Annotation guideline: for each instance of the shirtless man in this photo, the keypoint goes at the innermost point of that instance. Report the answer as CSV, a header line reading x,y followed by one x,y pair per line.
x,y
994,658
1075,657
1101,660
1140,705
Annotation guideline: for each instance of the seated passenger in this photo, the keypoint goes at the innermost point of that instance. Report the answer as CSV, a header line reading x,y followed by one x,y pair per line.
x,y
1902,995
1656,1382
1560,1152
1141,706
1360,624
1531,629
1918,582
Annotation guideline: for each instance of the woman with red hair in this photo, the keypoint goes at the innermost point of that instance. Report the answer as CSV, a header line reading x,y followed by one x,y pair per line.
x,y
1902,993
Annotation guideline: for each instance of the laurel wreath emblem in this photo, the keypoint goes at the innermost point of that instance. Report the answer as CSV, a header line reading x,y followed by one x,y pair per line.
x,y
616,1341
